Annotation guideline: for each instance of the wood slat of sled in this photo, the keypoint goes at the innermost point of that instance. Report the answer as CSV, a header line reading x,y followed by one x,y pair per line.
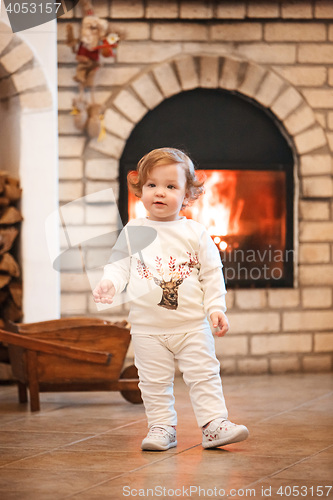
x,y
66,351
61,356
47,326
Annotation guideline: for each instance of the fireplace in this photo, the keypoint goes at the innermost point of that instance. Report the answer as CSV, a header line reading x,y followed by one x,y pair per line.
x,y
237,92
245,212
248,202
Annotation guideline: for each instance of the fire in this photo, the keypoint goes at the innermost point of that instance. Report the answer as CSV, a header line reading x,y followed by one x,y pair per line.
x,y
136,208
218,209
243,211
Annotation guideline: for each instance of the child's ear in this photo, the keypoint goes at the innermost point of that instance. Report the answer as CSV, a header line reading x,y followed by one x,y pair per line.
x,y
185,202
187,197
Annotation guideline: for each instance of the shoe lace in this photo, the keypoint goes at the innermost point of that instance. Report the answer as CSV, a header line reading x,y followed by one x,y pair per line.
x,y
159,431
216,423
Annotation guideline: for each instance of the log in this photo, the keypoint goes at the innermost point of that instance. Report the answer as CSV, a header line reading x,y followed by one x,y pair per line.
x,y
8,178
12,192
10,288
7,238
10,215
10,311
15,290
2,182
9,265
13,181
4,280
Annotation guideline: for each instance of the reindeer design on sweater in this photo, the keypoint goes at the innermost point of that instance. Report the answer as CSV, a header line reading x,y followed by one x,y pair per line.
x,y
176,277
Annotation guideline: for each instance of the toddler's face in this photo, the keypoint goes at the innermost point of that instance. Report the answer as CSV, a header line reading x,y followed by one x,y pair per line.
x,y
164,191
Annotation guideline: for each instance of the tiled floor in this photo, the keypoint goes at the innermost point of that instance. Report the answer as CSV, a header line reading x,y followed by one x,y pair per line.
x,y
87,445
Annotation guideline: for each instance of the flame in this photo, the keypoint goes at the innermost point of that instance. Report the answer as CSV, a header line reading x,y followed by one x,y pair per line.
x,y
218,209
136,207
242,209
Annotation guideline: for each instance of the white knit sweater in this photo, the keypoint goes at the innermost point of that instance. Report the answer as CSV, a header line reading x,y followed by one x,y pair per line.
x,y
174,275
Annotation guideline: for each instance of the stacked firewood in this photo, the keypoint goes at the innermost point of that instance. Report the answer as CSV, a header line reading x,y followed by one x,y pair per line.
x,y
10,273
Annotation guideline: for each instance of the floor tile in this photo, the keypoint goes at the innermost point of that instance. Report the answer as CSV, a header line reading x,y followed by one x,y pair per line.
x,y
143,484
37,440
319,466
8,456
309,489
88,445
35,484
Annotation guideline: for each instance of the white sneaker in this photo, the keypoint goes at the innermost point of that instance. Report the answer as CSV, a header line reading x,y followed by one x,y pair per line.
x,y
221,432
160,438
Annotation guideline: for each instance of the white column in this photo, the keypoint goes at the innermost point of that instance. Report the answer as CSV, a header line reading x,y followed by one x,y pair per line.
x,y
38,172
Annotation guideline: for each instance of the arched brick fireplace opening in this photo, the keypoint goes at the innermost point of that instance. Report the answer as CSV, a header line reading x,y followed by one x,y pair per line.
x,y
128,106
292,114
272,330
248,165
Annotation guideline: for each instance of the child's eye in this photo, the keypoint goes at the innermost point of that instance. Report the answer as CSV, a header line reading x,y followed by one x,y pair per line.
x,y
151,185
170,186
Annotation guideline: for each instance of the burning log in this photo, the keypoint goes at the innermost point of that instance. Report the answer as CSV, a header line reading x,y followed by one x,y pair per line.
x,y
10,272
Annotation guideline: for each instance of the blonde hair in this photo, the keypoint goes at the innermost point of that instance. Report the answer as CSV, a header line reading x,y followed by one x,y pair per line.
x,y
165,156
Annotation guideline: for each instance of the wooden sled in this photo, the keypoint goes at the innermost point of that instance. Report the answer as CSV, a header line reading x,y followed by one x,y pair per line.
x,y
72,354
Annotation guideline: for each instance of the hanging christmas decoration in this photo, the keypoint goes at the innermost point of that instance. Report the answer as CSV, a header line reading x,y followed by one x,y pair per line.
x,y
95,39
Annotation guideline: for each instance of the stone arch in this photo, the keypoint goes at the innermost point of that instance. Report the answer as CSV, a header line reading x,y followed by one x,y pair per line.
x,y
21,75
188,71
294,116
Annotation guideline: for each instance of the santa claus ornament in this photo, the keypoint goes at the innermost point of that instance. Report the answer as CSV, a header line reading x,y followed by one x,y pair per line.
x,y
95,40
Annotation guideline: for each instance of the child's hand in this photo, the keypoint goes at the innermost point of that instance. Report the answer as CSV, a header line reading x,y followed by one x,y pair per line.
x,y
104,292
220,321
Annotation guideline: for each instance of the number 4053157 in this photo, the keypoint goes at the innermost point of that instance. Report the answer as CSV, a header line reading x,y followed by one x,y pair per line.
x,y
33,8
304,491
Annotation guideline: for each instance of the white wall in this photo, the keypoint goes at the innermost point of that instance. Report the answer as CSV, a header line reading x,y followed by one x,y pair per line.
x,y
38,172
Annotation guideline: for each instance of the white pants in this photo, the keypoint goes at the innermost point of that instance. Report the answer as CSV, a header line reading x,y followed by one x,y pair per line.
x,y
195,353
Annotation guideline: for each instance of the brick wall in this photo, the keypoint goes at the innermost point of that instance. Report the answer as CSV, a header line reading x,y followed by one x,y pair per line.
x,y
278,53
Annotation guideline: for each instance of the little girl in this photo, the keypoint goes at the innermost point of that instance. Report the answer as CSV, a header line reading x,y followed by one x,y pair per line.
x,y
175,283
